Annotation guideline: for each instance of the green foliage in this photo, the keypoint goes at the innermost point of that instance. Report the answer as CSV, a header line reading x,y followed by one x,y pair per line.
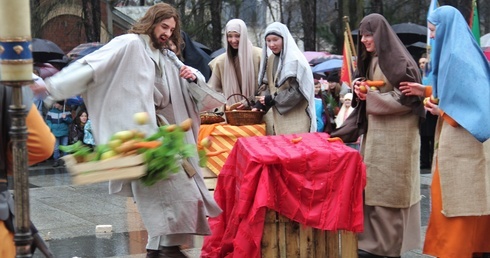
x,y
166,159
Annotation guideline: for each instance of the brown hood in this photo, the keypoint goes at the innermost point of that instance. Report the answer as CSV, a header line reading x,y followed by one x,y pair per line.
x,y
395,61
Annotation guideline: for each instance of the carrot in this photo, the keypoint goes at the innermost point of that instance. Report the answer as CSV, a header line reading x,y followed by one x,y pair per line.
x,y
126,146
335,139
215,153
375,83
147,145
296,140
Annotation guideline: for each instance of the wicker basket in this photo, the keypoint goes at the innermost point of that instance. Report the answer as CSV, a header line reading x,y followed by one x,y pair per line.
x,y
243,117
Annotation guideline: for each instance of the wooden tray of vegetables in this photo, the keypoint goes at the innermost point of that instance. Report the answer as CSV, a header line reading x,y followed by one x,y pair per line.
x,y
130,155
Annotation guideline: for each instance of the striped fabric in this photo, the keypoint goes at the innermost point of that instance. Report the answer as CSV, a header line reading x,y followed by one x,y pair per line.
x,y
223,137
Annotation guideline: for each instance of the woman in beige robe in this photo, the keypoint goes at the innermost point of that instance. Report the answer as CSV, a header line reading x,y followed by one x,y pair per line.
x,y
235,71
287,86
391,146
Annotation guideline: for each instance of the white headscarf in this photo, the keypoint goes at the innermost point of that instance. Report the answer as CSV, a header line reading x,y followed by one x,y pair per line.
x,y
344,112
292,63
245,56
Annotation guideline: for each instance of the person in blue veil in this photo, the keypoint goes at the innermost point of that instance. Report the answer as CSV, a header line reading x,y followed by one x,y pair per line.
x,y
460,192
460,71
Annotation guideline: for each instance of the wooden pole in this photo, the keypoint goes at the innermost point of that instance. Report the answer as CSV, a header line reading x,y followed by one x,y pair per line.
x,y
349,33
16,72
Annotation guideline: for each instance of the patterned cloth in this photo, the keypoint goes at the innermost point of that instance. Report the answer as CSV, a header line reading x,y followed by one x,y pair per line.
x,y
223,137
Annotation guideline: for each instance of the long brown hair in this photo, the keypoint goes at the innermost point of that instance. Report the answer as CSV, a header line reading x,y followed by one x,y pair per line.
x,y
154,16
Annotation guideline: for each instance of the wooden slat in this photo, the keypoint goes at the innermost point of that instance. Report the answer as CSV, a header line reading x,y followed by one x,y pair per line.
x,y
269,236
348,244
305,241
320,243
210,179
292,238
282,235
210,183
333,249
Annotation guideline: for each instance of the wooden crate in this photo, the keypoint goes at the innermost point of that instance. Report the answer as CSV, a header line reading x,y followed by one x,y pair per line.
x,y
128,167
210,179
284,238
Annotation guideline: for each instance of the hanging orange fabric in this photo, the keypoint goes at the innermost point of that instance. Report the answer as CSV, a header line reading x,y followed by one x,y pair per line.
x,y
449,237
6,250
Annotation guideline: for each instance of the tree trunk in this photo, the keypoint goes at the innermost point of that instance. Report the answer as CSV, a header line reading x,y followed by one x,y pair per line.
x,y
36,19
464,6
91,19
377,6
308,12
199,19
484,11
216,24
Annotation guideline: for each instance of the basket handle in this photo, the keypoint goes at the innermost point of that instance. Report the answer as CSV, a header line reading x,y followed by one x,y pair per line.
x,y
237,94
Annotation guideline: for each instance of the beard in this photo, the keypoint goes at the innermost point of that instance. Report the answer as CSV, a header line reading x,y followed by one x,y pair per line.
x,y
156,42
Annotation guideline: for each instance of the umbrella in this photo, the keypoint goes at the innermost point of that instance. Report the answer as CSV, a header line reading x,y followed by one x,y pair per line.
x,y
320,75
485,40
75,52
327,66
322,59
74,101
44,50
60,63
218,52
486,52
417,48
87,51
310,55
203,47
45,70
410,33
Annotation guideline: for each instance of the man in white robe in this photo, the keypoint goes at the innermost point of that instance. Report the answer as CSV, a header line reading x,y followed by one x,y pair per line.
x,y
133,74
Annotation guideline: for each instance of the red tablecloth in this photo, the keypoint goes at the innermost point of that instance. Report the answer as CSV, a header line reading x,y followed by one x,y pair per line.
x,y
314,182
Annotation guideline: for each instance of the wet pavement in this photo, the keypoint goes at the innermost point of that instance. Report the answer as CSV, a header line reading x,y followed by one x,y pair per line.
x,y
66,216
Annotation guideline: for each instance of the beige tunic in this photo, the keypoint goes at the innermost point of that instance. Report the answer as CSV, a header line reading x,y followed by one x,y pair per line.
x,y
295,120
391,149
464,170
217,82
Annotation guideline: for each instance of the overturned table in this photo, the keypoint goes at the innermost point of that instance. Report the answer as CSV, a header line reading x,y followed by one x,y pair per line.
x,y
288,196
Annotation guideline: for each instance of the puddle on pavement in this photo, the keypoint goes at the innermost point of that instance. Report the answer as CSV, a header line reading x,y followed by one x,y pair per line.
x,y
100,245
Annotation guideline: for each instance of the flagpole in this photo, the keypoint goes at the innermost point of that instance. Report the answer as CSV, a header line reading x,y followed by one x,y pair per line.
x,y
349,33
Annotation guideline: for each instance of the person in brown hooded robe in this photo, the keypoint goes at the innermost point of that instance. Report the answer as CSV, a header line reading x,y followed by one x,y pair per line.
x,y
391,146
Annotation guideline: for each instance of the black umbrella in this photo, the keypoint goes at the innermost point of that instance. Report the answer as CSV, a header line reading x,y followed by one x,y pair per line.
x,y
218,52
203,47
417,49
410,33
44,50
